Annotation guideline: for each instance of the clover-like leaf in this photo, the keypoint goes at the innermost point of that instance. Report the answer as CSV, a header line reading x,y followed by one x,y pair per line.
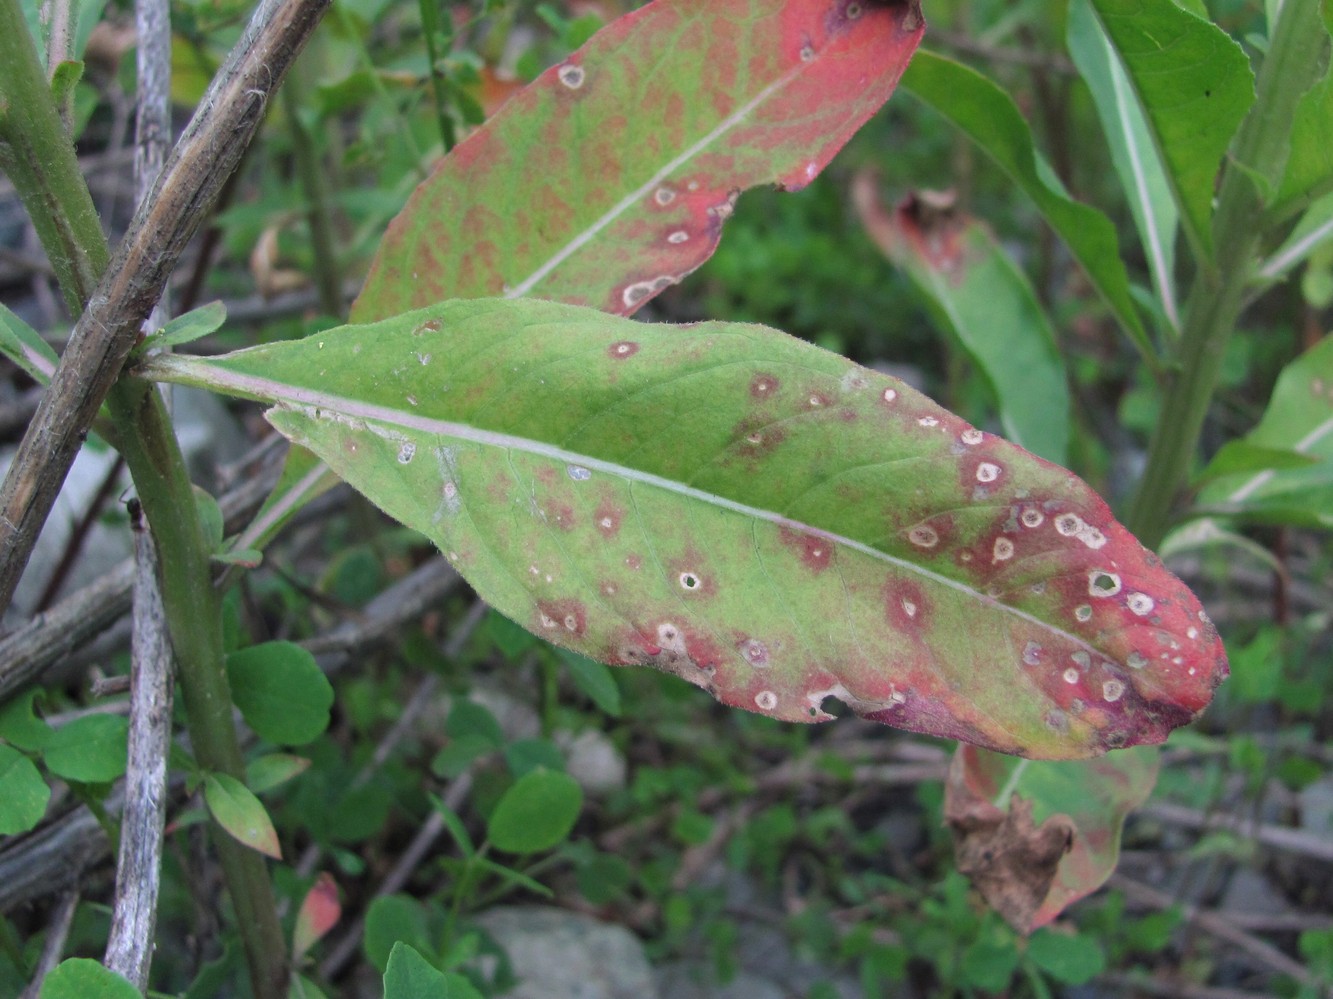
x,y
763,518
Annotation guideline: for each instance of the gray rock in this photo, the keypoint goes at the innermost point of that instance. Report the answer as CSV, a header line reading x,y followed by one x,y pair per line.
x,y
557,954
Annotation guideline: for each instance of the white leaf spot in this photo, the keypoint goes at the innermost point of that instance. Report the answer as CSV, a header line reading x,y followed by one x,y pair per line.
x,y
755,653
664,196
923,536
406,452
988,472
1032,518
571,76
690,581
1112,690
1102,583
890,395
766,700
1003,550
928,421
578,473
1081,659
1071,675
1136,660
1031,654
679,236
1083,613
1139,604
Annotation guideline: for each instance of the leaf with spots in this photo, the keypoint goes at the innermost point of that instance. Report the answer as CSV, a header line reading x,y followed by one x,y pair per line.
x,y
609,178
980,296
1036,836
763,518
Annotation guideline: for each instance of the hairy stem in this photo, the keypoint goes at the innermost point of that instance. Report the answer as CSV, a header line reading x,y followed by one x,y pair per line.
x,y
1295,55
36,156
194,621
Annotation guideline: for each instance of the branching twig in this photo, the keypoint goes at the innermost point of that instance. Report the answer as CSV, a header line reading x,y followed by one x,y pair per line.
x,y
129,949
57,932
200,163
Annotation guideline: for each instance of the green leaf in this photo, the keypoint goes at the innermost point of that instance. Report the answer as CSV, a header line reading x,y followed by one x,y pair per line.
x,y
189,327
988,116
210,517
536,813
267,772
980,297
758,516
470,719
392,920
614,215
1072,959
1299,419
1311,234
1240,457
241,814
1310,160
90,749
408,975
511,639
281,691
1195,86
595,680
1133,152
23,793
25,347
303,478
19,724
84,978
1035,836
525,755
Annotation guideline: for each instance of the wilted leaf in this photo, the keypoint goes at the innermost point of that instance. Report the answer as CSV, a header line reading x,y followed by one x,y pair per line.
x,y
319,913
609,178
989,117
1194,84
981,297
763,518
241,814
1036,836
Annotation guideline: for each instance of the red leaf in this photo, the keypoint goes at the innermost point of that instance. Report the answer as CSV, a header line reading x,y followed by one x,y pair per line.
x,y
609,178
319,913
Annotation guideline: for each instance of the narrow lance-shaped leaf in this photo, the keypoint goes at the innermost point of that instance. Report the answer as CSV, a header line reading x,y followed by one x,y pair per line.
x,y
1298,424
1195,86
1036,836
989,117
609,178
761,517
1133,152
1309,166
981,297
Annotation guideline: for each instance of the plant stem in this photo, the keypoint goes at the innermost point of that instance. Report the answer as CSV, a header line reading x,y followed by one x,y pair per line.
x,y
430,27
194,620
35,153
1295,56
310,172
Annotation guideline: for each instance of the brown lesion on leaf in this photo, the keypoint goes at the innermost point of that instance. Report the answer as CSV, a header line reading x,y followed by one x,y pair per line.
x,y
815,553
756,438
1008,858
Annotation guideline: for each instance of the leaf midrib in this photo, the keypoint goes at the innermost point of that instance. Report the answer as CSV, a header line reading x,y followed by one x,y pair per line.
x,y
298,398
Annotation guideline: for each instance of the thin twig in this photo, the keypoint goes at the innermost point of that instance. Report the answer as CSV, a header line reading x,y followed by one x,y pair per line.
x,y
57,932
1275,837
1217,925
431,830
202,160
129,949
